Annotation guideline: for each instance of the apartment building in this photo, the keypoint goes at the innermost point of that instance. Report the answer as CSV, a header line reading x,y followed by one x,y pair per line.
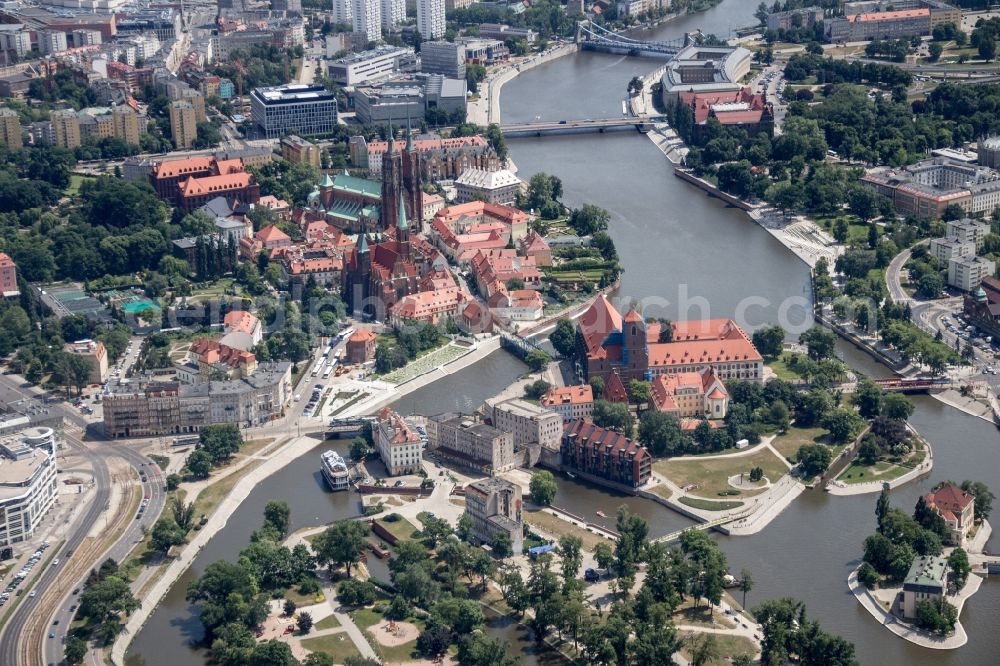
x,y
604,454
183,124
570,402
966,273
65,128
431,19
95,352
10,128
8,277
297,150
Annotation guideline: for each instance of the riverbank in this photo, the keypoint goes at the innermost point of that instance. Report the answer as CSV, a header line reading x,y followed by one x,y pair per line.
x,y
279,458
486,110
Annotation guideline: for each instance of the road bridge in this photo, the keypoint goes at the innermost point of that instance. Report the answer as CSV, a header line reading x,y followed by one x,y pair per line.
x,y
341,428
593,37
600,125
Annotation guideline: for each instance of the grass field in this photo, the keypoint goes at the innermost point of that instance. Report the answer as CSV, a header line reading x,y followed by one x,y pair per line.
x,y
75,181
401,529
729,647
425,363
781,368
662,491
883,470
328,622
711,476
553,526
709,505
338,646
789,443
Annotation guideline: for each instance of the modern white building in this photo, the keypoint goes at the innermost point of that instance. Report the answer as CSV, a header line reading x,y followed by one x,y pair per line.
x,y
969,231
966,273
947,248
529,423
294,108
393,13
369,66
430,19
496,187
27,482
367,19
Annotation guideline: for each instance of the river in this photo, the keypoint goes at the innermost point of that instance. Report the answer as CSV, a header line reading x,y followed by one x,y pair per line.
x,y
678,247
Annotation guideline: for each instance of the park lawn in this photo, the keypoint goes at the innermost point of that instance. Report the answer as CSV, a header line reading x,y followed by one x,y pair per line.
x,y
883,470
702,616
662,491
365,617
328,622
709,505
782,369
711,476
253,447
213,290
209,498
729,647
789,443
75,181
402,529
303,599
338,646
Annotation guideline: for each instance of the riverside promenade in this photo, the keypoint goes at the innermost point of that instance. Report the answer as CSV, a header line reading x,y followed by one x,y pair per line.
x,y
486,110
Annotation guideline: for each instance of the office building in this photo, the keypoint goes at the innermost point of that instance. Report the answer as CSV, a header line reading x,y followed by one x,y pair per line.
x,y
470,442
494,506
65,128
393,13
431,19
8,277
445,58
926,189
27,482
397,443
374,65
96,354
925,581
705,69
529,423
966,273
183,124
484,51
10,128
297,150
143,408
604,455
504,32
294,108
367,19
945,249
968,230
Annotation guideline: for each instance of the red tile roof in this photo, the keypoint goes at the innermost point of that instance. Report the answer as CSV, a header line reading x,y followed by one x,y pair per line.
x,y
568,395
950,501
218,184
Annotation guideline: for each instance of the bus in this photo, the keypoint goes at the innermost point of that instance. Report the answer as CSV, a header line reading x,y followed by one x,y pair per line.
x,y
326,373
346,333
316,368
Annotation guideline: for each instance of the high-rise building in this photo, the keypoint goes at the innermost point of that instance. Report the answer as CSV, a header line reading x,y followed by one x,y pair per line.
x,y
430,19
343,11
28,481
294,108
494,506
183,124
126,122
10,128
393,13
66,128
367,19
51,41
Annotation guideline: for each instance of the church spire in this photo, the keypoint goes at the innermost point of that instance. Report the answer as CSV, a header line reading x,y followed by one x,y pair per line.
x,y
401,222
363,244
391,136
409,135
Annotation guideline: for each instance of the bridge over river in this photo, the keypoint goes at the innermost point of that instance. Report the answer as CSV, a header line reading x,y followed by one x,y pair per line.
x,y
599,125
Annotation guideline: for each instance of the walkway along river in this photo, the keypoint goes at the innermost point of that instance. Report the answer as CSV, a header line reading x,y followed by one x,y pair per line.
x,y
667,234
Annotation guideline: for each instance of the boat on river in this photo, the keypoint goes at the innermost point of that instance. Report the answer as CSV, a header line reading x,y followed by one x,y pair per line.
x,y
335,471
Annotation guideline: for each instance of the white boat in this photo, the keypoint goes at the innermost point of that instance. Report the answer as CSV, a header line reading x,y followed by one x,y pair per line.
x,y
335,471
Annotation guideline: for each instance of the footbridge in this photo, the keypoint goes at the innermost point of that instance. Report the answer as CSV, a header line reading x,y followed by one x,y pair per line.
x,y
675,536
343,428
593,37
600,125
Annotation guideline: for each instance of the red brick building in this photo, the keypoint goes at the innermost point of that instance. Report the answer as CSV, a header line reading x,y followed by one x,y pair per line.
x,y
361,346
190,183
605,454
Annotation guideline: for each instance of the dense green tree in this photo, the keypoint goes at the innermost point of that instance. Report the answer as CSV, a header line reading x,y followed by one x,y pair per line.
x,y
769,340
277,514
613,415
819,342
814,458
165,535
563,337
543,487
342,543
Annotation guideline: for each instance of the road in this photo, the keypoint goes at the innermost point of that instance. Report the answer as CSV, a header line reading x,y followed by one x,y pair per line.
x,y
28,644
